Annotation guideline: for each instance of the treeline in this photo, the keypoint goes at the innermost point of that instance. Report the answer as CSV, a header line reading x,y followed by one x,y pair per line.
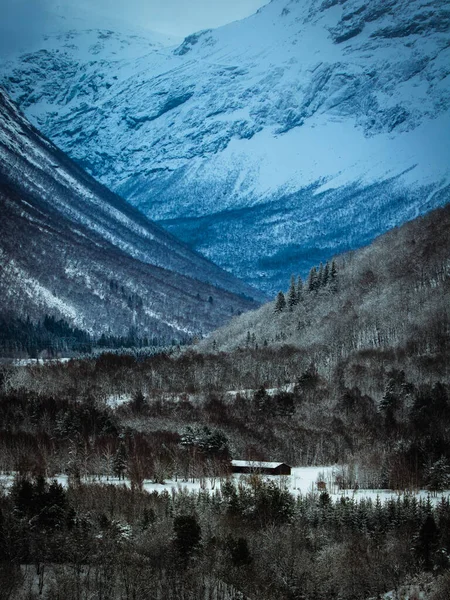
x,y
55,337
133,340
176,412
45,435
250,539
23,336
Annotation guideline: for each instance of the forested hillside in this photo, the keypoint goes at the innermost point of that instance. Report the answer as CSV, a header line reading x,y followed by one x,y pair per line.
x,y
383,306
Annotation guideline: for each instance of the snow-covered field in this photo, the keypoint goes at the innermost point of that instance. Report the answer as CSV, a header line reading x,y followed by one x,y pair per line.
x,y
302,481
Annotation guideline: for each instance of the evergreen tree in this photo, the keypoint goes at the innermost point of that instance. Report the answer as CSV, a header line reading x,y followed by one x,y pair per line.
x,y
248,340
320,277
312,280
120,460
438,475
388,406
292,299
22,494
187,534
239,551
326,275
427,542
280,303
211,442
333,276
74,465
261,399
138,402
148,518
299,289
333,271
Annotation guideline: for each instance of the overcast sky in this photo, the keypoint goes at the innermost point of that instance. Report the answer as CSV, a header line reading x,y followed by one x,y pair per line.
x,y
178,17
28,19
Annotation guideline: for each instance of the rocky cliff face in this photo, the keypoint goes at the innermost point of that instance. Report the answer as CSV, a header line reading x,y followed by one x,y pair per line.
x,y
267,144
71,248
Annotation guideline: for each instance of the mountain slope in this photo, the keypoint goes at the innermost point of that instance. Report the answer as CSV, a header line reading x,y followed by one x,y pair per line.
x,y
71,248
390,309
306,129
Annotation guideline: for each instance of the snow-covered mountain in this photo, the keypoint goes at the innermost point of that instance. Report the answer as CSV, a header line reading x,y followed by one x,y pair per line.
x,y
71,248
267,144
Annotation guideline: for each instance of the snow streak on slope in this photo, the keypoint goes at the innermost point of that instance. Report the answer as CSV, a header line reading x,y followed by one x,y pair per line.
x,y
71,248
270,143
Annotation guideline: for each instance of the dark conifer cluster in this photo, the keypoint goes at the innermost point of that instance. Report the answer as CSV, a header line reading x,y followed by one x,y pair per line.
x,y
23,336
51,337
322,278
118,543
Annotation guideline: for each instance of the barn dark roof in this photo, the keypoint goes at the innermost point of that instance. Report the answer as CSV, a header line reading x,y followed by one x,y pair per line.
x,y
256,464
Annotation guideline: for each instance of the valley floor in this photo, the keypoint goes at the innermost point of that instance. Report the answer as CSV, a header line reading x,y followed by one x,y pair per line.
x,y
301,482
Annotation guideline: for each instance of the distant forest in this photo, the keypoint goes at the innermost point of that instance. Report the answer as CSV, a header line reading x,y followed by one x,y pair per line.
x,y
53,337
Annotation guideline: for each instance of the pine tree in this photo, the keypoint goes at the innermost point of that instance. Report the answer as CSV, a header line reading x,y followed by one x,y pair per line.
x,y
120,460
427,542
280,303
138,402
292,294
22,494
388,406
333,276
188,534
438,475
312,280
261,399
239,551
326,275
299,290
248,340
148,518
320,277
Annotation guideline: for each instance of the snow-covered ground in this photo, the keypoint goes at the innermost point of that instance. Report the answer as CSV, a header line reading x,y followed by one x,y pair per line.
x,y
27,362
302,481
248,393
115,400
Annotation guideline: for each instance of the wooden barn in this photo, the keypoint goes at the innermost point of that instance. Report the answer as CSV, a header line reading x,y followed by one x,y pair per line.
x,y
263,468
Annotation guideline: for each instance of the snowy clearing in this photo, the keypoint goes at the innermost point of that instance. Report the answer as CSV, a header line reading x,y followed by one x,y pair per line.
x,y
302,481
